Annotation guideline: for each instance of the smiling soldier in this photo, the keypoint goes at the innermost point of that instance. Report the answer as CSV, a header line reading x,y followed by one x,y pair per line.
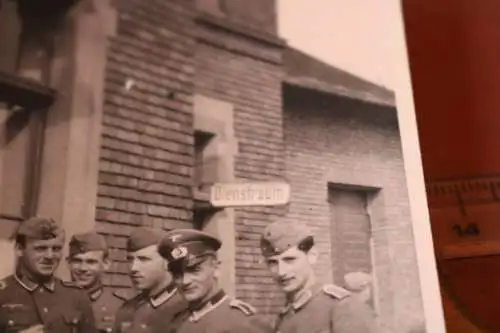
x,y
153,308
288,249
192,257
88,261
32,300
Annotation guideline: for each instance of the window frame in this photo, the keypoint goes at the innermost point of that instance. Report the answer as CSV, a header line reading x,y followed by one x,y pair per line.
x,y
202,208
26,97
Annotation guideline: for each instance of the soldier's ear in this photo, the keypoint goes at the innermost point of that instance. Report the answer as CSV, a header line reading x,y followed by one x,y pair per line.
x,y
106,263
216,264
217,271
18,249
312,256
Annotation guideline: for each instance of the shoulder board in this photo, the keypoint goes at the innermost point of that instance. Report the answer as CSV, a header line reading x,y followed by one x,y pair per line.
x,y
3,284
244,307
336,291
124,295
70,284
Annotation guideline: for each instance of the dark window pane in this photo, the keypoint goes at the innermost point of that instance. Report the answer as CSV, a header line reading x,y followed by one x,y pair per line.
x,y
14,146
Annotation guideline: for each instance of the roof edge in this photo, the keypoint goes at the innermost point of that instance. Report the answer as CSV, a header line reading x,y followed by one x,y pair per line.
x,y
306,71
338,90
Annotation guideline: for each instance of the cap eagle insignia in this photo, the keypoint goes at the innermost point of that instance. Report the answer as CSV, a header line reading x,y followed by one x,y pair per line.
x,y
179,252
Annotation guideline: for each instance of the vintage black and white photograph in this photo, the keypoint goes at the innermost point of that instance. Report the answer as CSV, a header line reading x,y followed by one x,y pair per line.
x,y
203,166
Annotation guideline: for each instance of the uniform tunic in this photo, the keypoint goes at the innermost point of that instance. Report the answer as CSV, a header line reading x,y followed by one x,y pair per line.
x,y
104,306
59,306
219,315
149,314
326,309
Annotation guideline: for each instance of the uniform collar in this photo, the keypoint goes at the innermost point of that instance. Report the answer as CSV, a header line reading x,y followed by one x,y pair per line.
x,y
162,296
95,291
301,298
207,306
31,285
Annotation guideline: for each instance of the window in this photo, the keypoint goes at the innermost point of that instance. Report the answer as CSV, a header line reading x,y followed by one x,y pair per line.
x,y
352,239
351,231
201,141
23,103
203,211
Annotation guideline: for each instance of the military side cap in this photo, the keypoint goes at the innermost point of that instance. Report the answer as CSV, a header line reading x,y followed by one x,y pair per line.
x,y
86,242
39,228
280,236
187,244
357,281
142,237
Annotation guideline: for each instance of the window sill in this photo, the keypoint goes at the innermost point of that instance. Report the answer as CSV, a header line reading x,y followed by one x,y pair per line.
x,y
24,92
11,217
201,200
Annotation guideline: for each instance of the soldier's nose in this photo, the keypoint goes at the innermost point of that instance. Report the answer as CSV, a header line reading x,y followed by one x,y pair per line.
x,y
49,253
185,280
282,271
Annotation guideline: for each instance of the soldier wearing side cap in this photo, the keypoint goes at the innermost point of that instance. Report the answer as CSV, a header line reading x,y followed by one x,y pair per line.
x,y
32,299
156,303
88,261
192,257
288,249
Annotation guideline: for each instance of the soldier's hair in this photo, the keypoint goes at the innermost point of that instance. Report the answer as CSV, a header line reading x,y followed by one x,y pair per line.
x,y
20,240
105,254
306,244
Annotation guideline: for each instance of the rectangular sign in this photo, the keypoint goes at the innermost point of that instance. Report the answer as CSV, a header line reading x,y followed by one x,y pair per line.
x,y
249,194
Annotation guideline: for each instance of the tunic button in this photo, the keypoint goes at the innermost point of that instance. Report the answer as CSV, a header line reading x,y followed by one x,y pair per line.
x,y
109,330
45,310
10,322
143,326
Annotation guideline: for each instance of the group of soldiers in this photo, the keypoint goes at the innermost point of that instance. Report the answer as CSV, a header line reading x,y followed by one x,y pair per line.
x,y
175,276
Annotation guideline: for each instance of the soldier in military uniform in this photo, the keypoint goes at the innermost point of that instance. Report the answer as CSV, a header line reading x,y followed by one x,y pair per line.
x,y
153,307
192,257
32,299
88,260
288,249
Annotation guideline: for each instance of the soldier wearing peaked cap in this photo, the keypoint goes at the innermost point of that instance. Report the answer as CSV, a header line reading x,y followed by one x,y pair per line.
x,y
32,299
288,249
156,303
88,260
192,257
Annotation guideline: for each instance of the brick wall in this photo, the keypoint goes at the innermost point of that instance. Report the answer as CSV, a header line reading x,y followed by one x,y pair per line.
x,y
327,137
146,153
247,73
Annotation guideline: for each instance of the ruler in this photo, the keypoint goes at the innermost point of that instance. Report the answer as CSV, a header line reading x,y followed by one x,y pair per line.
x,y
465,219
465,215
